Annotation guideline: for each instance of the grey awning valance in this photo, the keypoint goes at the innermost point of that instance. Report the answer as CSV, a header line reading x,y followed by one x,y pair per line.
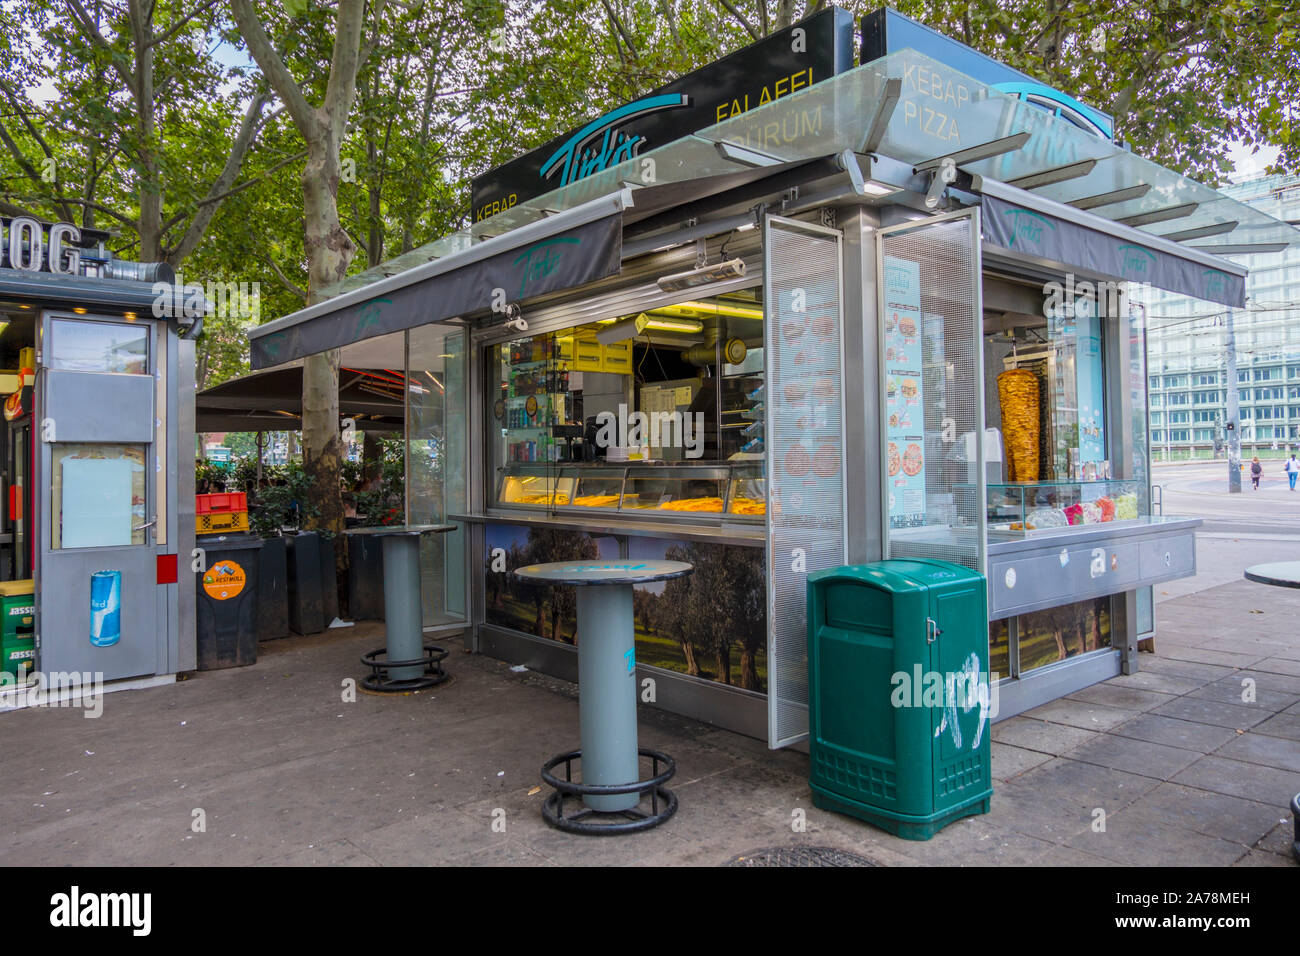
x,y
1113,250
569,249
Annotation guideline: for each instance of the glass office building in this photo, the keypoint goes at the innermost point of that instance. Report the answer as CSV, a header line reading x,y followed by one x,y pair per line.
x,y
1187,351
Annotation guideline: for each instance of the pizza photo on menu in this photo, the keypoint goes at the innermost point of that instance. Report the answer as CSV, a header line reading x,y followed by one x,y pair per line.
x,y
797,461
826,462
894,462
912,460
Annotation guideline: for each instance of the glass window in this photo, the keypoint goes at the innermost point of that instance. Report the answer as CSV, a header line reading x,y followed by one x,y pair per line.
x,y
89,346
98,495
436,464
1047,637
1057,420
681,383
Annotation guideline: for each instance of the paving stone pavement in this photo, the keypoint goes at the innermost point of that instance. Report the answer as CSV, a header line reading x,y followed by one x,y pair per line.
x,y
1190,761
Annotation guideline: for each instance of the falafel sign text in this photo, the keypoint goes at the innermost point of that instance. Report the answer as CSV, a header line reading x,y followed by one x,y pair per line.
x,y
781,64
904,398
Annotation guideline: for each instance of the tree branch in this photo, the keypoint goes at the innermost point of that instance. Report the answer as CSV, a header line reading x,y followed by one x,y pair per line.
x,y
90,30
176,27
620,29
270,63
731,8
284,279
223,185
88,203
345,61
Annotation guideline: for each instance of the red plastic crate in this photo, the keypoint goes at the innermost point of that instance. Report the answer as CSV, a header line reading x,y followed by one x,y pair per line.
x,y
221,502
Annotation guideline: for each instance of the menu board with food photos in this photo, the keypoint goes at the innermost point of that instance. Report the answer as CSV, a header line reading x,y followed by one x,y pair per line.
x,y
904,394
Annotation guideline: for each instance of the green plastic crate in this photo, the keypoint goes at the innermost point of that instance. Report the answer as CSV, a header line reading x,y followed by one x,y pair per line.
x,y
18,657
898,735
16,615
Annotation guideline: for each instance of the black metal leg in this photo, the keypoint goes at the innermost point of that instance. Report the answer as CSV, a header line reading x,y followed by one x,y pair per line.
x,y
379,681
1295,814
595,823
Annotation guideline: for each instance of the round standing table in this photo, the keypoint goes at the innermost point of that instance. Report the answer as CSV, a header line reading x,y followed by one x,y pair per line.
x,y
607,692
1281,574
409,663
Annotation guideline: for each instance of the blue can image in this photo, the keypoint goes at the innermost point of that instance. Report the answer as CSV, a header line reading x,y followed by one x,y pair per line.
x,y
105,608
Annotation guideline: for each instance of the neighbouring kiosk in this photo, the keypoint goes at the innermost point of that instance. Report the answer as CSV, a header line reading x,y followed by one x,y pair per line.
x,y
97,510
785,314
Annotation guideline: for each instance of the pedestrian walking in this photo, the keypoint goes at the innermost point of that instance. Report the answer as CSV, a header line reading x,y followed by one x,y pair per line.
x,y
1292,468
1256,470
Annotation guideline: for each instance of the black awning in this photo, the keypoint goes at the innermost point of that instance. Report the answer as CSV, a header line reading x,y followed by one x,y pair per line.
x,y
1031,232
271,400
550,255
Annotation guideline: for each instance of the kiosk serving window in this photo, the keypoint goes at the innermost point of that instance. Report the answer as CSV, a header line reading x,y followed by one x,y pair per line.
x,y
659,413
98,495
83,346
1046,394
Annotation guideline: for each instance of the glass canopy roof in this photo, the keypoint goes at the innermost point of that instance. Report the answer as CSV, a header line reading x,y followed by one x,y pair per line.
x,y
938,112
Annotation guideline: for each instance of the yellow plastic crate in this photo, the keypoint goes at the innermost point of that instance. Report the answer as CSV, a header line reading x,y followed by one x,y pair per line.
x,y
617,358
221,521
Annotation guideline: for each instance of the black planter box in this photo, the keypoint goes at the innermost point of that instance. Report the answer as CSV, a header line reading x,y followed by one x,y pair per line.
x,y
365,577
273,590
329,581
306,604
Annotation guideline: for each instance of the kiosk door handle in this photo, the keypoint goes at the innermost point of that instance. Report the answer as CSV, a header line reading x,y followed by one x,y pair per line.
x,y
932,630
141,527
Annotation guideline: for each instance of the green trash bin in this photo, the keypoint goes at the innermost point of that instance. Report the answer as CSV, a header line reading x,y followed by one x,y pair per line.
x,y
898,694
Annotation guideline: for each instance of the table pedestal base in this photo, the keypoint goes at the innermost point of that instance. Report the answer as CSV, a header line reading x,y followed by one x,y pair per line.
x,y
663,802
428,671
1295,813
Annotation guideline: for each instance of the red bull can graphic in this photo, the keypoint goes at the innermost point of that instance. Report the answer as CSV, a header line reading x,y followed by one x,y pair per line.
x,y
105,608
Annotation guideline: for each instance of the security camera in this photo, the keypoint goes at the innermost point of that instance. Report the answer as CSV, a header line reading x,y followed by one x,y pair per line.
x,y
515,318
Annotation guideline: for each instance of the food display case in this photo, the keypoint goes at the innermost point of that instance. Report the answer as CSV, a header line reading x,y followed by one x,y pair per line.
x,y
534,485
747,492
1024,509
595,486
734,491
677,489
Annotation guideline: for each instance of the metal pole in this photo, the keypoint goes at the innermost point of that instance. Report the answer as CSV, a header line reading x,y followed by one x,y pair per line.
x,y
1233,423
260,436
607,701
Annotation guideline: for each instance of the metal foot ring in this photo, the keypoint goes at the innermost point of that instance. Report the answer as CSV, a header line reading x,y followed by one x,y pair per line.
x,y
1295,813
380,682
663,802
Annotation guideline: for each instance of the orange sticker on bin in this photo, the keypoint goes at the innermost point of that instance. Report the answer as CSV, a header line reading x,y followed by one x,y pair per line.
x,y
224,580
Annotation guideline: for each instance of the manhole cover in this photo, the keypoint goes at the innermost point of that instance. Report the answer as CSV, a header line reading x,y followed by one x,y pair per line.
x,y
799,856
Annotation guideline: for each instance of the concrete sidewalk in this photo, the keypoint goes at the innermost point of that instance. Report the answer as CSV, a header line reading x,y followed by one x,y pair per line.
x,y
284,772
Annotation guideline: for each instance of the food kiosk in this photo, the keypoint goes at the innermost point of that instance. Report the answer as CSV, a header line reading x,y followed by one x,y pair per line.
x,y
97,514
856,312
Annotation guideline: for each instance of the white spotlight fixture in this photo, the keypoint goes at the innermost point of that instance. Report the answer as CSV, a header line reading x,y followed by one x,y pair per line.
x,y
705,275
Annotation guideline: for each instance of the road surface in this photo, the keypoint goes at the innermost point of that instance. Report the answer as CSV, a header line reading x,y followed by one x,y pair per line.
x,y
1240,529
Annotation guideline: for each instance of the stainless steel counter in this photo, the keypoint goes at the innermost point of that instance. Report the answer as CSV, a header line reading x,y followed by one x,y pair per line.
x,y
753,534
1049,569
